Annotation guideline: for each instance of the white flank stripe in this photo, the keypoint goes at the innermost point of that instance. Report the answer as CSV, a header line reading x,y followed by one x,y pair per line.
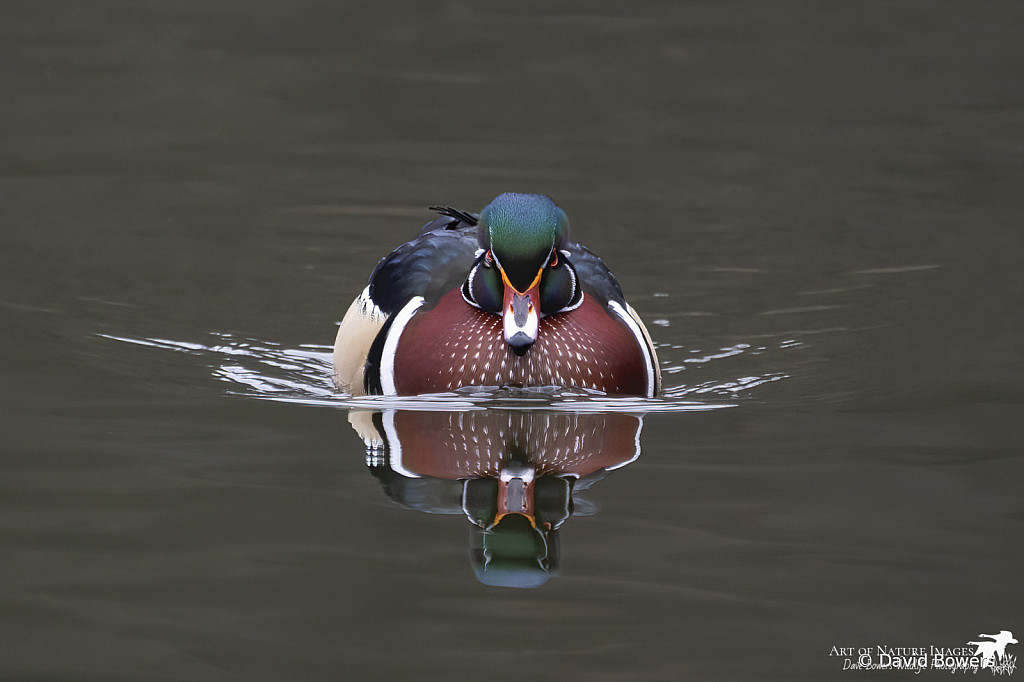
x,y
640,339
387,357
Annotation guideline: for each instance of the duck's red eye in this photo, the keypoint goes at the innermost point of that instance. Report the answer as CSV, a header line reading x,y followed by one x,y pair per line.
x,y
554,259
488,260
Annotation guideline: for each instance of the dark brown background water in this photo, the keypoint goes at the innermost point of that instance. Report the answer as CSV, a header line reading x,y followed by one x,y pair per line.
x,y
830,190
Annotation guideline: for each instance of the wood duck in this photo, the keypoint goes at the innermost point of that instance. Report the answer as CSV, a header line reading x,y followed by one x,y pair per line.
x,y
499,299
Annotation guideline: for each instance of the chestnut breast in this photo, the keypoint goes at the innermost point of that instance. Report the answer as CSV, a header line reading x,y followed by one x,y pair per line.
x,y
455,344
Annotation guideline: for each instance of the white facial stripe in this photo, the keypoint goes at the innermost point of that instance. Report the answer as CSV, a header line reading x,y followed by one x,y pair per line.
x,y
575,287
468,287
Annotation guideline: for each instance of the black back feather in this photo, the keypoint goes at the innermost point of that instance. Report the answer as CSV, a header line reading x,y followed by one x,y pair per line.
x,y
595,278
429,266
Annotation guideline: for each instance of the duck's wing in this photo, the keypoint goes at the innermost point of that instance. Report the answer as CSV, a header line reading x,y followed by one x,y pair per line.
x,y
595,277
429,266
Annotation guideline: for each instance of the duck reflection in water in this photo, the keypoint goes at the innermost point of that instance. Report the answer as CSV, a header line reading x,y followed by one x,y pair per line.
x,y
513,473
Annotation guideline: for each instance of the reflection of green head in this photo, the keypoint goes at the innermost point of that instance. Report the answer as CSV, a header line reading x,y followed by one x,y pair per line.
x,y
521,230
512,553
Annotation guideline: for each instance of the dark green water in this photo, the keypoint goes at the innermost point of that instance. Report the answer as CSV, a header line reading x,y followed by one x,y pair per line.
x,y
817,208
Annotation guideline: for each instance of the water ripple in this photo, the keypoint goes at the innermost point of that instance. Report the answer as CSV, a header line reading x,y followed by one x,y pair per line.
x,y
267,370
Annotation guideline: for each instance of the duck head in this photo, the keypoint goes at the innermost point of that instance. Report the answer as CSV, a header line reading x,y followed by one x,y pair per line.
x,y
522,271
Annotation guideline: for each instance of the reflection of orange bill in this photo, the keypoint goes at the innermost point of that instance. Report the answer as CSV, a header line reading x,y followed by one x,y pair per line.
x,y
515,493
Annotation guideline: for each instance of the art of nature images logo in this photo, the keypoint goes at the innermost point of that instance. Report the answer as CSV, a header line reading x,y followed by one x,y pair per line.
x,y
989,653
